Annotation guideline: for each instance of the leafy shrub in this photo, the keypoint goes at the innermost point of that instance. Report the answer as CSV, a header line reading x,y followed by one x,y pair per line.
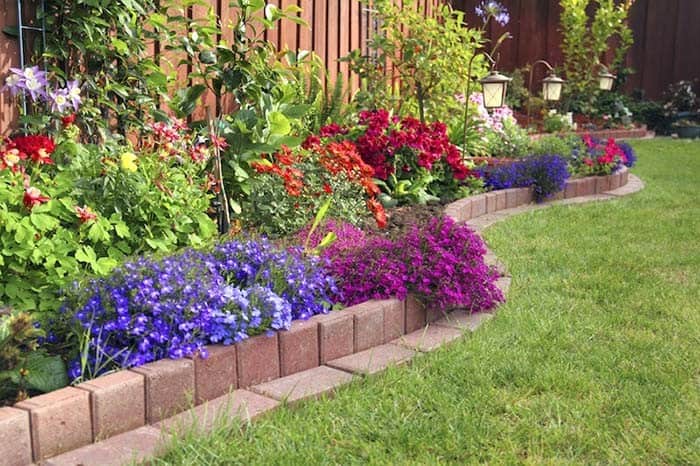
x,y
563,145
291,186
26,369
547,174
441,263
151,309
429,52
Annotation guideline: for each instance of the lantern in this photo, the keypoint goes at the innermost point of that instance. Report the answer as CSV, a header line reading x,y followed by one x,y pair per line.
x,y
606,79
494,87
551,87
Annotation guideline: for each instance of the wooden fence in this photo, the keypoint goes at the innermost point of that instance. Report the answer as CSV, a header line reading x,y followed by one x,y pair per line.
x,y
665,32
335,27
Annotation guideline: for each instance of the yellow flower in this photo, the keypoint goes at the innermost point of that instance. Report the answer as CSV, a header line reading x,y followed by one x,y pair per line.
x,y
128,162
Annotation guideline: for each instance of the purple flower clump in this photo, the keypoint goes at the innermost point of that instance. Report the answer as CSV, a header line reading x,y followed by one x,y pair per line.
x,y
631,157
441,263
488,9
150,309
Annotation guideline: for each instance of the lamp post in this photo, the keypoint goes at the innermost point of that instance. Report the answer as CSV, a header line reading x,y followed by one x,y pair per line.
x,y
551,86
494,87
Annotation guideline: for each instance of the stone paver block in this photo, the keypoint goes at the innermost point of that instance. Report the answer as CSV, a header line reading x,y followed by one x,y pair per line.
x,y
60,421
602,184
525,196
615,179
478,205
556,196
299,347
460,210
432,315
117,402
428,339
374,359
491,204
169,387
307,384
632,186
500,200
258,360
394,319
216,375
571,188
511,198
369,324
15,438
503,284
587,186
415,314
133,446
625,176
464,320
336,335
235,407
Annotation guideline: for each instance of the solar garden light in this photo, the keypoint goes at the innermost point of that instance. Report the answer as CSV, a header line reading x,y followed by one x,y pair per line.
x,y
605,78
551,86
494,87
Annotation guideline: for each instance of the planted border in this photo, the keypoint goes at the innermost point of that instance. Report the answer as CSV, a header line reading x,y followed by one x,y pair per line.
x,y
53,423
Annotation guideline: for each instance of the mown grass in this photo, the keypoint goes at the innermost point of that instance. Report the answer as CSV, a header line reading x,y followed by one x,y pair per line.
x,y
594,359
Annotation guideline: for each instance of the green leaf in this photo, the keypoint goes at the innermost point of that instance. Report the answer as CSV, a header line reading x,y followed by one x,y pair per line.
x,y
104,265
279,124
45,373
86,254
43,222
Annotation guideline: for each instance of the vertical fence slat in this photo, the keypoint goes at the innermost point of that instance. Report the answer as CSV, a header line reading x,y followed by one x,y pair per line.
x,y
9,57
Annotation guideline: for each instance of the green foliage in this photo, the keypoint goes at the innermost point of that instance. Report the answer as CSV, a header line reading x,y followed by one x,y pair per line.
x,y
282,202
557,145
586,41
555,123
430,54
105,45
99,204
513,141
324,97
24,368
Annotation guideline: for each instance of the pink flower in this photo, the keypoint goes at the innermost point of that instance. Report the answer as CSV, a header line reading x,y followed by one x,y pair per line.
x,y
33,198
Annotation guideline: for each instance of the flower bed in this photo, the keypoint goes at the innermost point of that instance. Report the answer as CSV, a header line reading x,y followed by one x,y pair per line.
x,y
75,416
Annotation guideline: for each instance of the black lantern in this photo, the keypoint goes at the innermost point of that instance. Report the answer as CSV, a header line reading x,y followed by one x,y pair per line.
x,y
494,87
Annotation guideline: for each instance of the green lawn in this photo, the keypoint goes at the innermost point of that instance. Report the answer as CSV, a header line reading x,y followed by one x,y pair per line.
x,y
594,359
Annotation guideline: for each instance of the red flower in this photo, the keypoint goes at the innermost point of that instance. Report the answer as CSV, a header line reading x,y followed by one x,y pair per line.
x,y
39,148
378,211
85,214
33,198
331,130
68,120
327,188
218,142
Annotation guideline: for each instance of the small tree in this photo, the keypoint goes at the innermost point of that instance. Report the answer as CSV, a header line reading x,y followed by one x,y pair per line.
x,y
586,41
429,54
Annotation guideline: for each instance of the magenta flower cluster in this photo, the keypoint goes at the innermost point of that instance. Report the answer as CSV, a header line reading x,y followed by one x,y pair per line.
x,y
441,262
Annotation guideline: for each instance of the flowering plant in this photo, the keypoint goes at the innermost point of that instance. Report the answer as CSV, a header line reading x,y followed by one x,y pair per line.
x,y
440,262
602,158
291,185
547,174
151,309
412,161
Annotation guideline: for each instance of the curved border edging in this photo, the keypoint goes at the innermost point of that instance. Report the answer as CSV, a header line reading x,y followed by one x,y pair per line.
x,y
132,408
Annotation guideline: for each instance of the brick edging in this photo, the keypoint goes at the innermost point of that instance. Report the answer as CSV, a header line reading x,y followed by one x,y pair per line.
x,y
67,419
